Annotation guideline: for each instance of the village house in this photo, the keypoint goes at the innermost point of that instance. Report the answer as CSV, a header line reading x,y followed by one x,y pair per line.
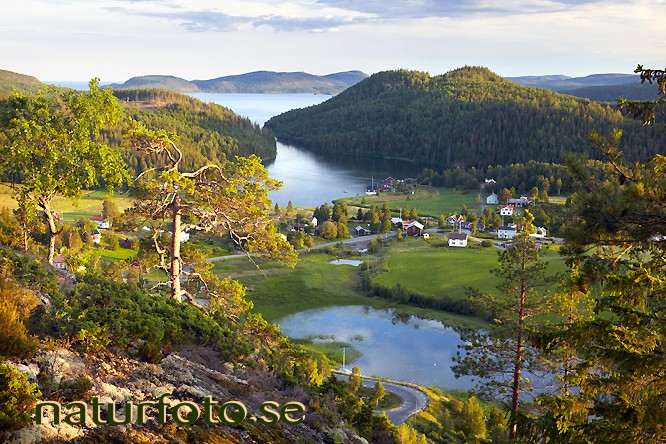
x,y
493,199
412,227
298,226
506,232
102,224
93,236
540,232
360,231
458,239
396,222
59,262
522,202
506,210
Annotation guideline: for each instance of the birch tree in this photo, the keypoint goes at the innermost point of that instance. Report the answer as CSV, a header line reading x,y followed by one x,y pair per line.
x,y
54,148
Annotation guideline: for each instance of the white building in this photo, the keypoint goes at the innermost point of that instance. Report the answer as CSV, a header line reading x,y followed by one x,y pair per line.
x,y
60,262
493,199
102,224
506,232
523,202
540,232
458,239
506,210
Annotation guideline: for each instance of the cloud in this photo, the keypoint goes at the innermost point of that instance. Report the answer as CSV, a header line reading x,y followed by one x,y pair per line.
x,y
417,9
216,21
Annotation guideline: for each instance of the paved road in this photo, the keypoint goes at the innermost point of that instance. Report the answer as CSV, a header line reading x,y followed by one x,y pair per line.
x,y
413,400
359,242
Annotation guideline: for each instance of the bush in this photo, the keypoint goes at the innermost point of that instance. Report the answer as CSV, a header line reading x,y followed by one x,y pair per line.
x,y
16,305
17,397
486,243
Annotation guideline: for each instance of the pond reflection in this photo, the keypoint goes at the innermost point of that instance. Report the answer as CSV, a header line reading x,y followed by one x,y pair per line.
x,y
396,346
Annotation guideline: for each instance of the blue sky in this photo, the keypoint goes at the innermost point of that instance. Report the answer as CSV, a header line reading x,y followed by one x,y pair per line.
x,y
202,39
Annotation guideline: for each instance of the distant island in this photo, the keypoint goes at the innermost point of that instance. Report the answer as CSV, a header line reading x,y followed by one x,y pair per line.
x,y
258,82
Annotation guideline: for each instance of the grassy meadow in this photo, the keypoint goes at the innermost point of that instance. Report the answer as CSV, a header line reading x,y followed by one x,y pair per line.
x,y
277,291
444,271
89,205
427,201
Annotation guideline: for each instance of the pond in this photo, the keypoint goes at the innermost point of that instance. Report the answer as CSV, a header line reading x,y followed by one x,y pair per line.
x,y
403,348
353,263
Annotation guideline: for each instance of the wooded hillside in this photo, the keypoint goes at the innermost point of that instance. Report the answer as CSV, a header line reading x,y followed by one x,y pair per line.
x,y
466,117
206,131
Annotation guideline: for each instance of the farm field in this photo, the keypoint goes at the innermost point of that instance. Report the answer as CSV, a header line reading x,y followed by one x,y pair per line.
x,y
89,205
427,201
446,271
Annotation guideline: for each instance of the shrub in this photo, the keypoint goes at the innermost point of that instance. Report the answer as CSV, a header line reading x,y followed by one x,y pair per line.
x,y
486,243
16,305
17,397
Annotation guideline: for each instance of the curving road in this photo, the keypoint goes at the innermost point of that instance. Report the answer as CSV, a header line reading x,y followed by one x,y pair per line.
x,y
413,399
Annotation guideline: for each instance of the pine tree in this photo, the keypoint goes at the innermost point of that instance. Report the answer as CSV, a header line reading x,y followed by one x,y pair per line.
x,y
501,357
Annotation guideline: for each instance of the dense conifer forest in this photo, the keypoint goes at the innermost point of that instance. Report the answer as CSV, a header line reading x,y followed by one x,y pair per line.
x,y
469,117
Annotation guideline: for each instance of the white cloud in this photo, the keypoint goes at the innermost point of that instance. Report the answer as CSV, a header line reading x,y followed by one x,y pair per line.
x,y
118,39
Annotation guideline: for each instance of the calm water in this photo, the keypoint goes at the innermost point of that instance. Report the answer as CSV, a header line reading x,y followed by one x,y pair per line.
x,y
309,179
410,349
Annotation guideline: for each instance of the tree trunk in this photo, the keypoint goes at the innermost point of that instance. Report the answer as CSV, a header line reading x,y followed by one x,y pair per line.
x,y
25,240
518,362
515,388
175,249
52,231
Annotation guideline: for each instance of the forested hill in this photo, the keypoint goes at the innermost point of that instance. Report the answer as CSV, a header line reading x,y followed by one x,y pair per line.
x,y
466,117
206,131
259,82
11,81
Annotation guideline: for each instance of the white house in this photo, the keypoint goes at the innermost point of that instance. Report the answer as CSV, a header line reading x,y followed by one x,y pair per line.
x,y
490,181
396,221
314,222
540,232
59,262
493,199
458,239
506,232
520,203
93,236
102,224
506,210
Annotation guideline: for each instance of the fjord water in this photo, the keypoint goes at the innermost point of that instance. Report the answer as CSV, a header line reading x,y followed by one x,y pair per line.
x,y
309,179
405,349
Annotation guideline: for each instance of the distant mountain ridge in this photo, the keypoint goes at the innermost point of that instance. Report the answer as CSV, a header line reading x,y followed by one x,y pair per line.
x,y
267,82
562,83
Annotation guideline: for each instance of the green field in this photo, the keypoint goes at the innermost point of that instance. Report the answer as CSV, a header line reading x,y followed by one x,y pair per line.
x,y
427,201
277,291
89,205
444,271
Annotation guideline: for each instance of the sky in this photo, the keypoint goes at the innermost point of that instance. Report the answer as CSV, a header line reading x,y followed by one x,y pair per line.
x,y
114,40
